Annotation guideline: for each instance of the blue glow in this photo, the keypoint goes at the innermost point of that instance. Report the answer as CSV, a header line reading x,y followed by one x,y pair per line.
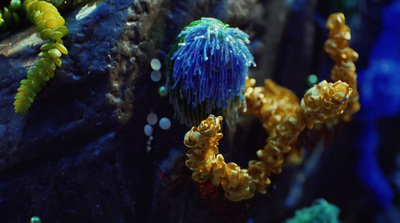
x,y
379,97
368,169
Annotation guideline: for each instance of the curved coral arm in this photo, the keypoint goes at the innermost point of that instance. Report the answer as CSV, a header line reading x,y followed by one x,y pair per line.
x,y
283,120
344,69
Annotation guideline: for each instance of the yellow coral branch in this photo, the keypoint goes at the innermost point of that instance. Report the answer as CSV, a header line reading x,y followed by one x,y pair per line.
x,y
283,120
207,164
325,102
282,116
337,46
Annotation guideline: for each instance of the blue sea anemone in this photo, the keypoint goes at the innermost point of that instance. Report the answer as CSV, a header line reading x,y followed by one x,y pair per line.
x,y
207,70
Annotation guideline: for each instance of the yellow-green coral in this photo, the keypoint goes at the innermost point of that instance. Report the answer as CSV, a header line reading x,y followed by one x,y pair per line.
x,y
50,24
9,15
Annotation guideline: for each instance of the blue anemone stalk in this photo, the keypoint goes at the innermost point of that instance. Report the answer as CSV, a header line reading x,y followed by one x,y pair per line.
x,y
207,71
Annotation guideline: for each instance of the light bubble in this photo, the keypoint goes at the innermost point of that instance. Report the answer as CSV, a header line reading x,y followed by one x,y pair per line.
x,y
152,118
155,75
312,79
165,123
162,91
148,130
148,149
155,64
35,219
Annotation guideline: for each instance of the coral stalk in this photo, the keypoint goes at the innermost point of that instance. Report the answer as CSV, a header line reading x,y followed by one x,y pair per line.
x,y
282,117
337,46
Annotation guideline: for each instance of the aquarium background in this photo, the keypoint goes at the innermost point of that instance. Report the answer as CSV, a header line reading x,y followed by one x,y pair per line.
x,y
81,154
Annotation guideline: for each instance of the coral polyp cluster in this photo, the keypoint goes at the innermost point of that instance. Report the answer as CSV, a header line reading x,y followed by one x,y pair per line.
x,y
337,46
207,70
324,102
207,164
282,116
50,24
283,120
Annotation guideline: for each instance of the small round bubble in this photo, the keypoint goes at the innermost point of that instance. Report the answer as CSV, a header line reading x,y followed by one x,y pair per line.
x,y
165,123
162,91
155,75
312,79
155,64
152,118
148,130
148,149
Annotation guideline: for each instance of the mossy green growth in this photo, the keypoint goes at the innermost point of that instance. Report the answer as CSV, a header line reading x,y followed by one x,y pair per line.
x,y
320,212
51,26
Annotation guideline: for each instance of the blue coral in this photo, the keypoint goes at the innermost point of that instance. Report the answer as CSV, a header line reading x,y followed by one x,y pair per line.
x,y
368,169
210,64
380,98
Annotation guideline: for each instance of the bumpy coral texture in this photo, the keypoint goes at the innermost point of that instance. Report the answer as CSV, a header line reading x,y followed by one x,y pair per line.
x,y
337,46
283,117
50,24
210,65
324,102
207,164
